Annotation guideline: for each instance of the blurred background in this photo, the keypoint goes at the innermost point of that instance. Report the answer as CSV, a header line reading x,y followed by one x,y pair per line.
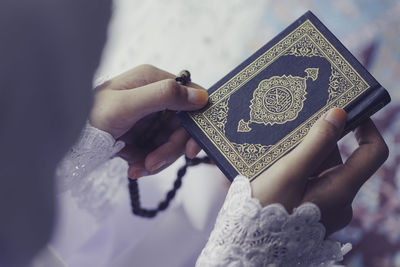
x,y
210,38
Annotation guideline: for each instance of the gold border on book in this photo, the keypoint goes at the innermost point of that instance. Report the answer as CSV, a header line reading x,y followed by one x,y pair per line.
x,y
226,147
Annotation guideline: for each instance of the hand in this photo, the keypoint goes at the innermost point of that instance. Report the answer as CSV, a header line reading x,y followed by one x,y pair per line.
x,y
128,107
314,172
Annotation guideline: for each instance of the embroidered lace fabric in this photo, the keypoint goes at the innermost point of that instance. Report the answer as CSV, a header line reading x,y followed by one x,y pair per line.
x,y
90,172
245,234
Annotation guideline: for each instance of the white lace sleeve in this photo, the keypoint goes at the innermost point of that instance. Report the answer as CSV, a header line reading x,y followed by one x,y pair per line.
x,y
93,148
245,234
90,172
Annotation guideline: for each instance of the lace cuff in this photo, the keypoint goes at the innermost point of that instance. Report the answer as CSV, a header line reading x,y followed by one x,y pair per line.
x,y
93,148
246,234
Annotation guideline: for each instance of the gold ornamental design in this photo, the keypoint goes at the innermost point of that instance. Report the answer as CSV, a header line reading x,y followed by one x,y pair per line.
x,y
345,85
278,100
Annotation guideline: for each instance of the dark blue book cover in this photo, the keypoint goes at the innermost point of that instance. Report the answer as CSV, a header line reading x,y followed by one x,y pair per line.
x,y
264,107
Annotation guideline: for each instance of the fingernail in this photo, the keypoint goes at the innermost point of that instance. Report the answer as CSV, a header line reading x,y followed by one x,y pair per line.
x,y
158,165
137,173
337,117
197,96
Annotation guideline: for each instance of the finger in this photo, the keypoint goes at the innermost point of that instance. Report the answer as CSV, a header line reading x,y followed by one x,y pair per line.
x,y
144,163
140,76
137,170
334,159
285,181
167,153
161,95
366,159
336,219
192,148
132,154
337,187
135,158
317,145
334,200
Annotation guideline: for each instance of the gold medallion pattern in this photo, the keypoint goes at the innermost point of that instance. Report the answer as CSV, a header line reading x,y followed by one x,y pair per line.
x,y
278,100
345,85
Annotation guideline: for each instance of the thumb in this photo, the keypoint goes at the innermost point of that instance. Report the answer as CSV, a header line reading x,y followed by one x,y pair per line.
x,y
317,145
284,181
162,95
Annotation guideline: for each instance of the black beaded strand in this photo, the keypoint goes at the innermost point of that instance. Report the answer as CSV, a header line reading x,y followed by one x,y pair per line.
x,y
183,78
149,213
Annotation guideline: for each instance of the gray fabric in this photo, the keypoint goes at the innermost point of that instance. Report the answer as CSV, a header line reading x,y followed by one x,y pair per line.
x,y
49,50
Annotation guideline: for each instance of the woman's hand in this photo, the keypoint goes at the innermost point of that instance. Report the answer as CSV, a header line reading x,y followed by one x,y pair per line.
x,y
314,171
138,107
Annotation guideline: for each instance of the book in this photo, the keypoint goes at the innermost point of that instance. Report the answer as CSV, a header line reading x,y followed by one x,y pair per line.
x,y
263,108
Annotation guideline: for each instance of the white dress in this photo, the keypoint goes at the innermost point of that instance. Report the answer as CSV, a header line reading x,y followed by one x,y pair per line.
x,y
245,234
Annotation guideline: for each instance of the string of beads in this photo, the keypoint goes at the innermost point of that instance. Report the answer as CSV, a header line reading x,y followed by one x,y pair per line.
x,y
149,213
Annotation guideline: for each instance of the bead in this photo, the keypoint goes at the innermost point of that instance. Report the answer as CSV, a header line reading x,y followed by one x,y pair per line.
x,y
183,77
184,73
181,172
171,194
177,184
151,213
163,205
